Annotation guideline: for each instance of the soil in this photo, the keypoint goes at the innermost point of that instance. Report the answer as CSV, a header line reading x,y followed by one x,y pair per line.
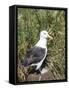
x,y
46,76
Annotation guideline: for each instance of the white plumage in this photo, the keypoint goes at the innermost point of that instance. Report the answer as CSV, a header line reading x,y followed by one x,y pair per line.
x,y
37,54
43,44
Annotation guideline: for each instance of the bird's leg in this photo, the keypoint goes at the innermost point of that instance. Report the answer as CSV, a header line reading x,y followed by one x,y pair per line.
x,y
40,74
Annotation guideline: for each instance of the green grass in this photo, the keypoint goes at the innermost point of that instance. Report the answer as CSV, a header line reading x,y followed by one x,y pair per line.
x,y
30,23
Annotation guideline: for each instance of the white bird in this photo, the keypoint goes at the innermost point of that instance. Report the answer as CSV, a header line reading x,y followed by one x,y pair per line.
x,y
37,54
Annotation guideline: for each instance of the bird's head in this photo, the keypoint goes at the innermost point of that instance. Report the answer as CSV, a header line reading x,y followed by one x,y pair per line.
x,y
44,34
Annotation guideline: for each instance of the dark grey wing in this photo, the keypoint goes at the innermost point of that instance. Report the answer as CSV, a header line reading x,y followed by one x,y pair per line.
x,y
34,55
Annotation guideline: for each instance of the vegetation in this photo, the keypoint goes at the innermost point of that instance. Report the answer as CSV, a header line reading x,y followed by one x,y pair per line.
x,y
30,23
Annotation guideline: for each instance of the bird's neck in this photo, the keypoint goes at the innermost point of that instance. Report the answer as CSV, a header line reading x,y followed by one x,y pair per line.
x,y
42,43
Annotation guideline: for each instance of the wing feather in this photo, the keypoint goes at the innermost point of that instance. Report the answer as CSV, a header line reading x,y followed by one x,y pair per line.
x,y
33,56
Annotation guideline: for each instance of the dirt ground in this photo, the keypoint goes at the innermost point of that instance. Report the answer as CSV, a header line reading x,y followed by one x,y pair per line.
x,y
46,76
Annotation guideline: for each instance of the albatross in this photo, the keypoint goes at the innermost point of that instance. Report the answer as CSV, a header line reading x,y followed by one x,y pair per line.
x,y
37,54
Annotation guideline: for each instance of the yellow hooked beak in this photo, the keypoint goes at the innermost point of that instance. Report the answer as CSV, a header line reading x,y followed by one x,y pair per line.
x,y
50,37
